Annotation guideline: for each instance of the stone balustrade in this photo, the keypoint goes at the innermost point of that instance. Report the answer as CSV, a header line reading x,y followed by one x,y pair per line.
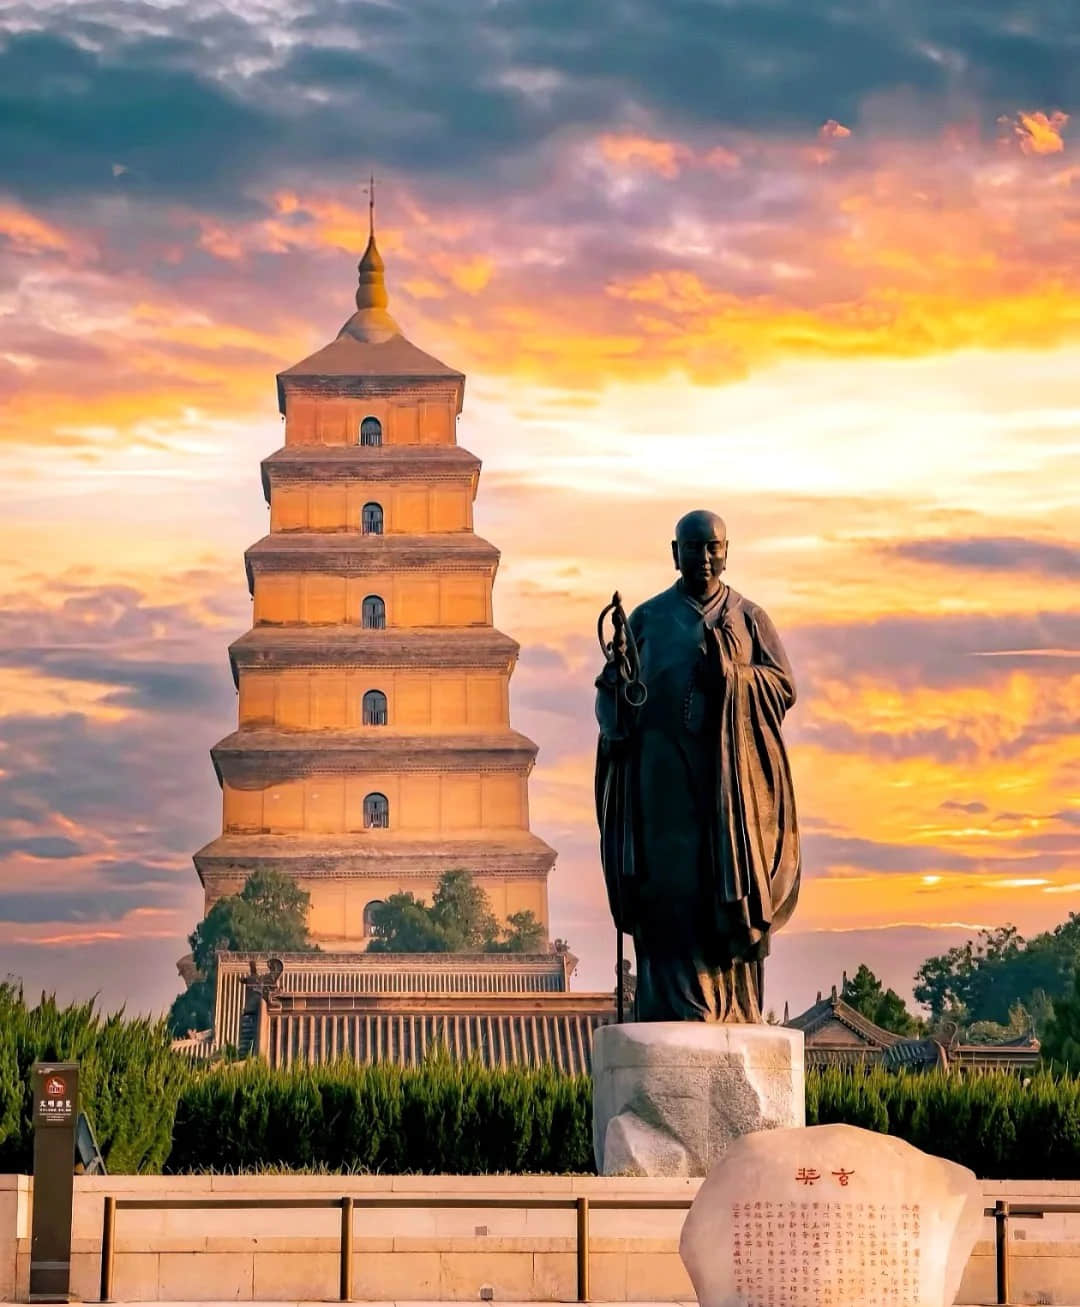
x,y
426,1254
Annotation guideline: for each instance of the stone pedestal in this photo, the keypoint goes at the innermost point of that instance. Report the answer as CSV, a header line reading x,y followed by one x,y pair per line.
x,y
670,1096
831,1216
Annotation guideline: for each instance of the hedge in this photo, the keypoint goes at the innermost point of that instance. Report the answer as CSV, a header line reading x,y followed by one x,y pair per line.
x,y
129,1079
151,1111
1001,1126
439,1117
471,1120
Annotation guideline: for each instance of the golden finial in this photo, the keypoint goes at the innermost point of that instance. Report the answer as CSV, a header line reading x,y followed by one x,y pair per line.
x,y
371,321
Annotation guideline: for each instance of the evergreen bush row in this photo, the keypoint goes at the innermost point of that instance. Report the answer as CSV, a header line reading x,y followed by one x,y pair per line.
x,y
152,1112
439,1117
129,1079
1002,1126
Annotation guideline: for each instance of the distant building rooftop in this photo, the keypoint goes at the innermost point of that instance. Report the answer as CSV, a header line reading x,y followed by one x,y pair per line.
x,y
837,1034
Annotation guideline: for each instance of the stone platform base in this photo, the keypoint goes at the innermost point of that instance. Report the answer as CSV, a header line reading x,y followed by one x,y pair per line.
x,y
670,1096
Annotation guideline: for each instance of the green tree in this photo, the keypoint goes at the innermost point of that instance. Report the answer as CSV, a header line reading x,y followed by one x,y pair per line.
x,y
983,979
402,924
270,912
884,1007
193,1009
459,920
1061,1037
523,934
460,908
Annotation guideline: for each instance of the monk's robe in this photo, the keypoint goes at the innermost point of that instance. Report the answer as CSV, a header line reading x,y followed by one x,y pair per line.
x,y
699,839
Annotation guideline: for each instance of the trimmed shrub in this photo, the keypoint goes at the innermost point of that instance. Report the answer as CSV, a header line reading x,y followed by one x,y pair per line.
x,y
436,1118
1001,1126
129,1079
151,1111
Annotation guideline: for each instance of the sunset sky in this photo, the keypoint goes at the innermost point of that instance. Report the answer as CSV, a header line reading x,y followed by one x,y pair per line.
x,y
814,266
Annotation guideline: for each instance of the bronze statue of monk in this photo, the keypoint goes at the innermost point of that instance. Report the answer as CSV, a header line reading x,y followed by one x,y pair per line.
x,y
698,836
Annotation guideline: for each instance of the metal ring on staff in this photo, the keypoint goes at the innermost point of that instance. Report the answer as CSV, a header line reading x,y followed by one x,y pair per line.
x,y
638,687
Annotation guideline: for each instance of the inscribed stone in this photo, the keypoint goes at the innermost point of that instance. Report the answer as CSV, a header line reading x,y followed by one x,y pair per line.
x,y
830,1216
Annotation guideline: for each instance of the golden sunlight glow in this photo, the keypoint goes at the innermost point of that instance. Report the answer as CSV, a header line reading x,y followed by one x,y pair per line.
x,y
1040,133
878,388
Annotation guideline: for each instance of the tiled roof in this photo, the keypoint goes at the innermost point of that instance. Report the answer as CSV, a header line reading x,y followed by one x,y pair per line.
x,y
325,972
346,356
835,1009
556,1030
893,1050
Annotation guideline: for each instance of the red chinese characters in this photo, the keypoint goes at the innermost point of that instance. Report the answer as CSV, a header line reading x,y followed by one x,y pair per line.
x,y
808,1175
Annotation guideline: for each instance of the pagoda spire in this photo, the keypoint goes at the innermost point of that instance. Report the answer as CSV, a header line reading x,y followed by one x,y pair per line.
x,y
371,322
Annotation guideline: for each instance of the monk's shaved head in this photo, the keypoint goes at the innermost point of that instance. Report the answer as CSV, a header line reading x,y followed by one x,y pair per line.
x,y
699,551
700,525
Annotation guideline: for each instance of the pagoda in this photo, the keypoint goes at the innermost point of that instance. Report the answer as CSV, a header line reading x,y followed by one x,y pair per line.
x,y
374,749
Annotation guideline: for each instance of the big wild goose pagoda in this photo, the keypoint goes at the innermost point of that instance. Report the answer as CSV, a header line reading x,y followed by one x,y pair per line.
x,y
374,749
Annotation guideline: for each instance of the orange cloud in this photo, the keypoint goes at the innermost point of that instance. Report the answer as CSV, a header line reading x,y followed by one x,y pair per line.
x,y
423,288
29,234
470,274
1037,133
327,223
903,254
663,157
831,130
721,157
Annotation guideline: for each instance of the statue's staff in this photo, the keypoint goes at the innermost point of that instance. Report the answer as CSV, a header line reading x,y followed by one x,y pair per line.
x,y
622,670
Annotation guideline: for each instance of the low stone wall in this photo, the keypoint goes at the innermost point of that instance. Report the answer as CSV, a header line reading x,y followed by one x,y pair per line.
x,y
415,1253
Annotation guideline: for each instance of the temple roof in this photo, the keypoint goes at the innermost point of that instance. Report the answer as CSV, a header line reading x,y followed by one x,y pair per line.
x,y
837,1032
826,1011
411,973
553,1030
502,1007
355,855
477,647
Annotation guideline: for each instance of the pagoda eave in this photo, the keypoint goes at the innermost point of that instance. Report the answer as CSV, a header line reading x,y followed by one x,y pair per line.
x,y
365,854
300,464
258,755
351,367
350,551
427,648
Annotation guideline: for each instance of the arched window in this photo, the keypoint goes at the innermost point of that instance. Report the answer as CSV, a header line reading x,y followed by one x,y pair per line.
x,y
371,431
371,520
373,613
369,915
376,812
374,708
